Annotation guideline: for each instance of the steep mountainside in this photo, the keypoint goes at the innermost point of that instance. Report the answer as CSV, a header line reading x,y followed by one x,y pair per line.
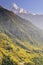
x,y
19,28
21,43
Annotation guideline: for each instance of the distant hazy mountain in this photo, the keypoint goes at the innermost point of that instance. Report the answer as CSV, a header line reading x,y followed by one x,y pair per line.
x,y
21,43
36,19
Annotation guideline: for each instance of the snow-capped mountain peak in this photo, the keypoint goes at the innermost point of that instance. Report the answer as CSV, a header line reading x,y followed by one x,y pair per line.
x,y
22,10
17,9
15,6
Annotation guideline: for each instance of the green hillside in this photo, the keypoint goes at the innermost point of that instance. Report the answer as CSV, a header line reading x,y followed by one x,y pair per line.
x,y
21,43
12,54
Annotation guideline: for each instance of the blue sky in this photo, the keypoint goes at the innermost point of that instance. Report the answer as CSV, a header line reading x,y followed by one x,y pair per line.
x,y
35,6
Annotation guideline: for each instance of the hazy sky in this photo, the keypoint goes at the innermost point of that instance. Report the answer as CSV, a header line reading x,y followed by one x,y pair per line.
x,y
36,6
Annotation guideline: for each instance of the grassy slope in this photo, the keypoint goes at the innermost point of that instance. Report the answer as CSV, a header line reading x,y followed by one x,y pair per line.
x,y
8,48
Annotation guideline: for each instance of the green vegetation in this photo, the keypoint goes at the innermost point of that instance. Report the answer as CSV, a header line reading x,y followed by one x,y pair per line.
x,y
12,54
7,61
